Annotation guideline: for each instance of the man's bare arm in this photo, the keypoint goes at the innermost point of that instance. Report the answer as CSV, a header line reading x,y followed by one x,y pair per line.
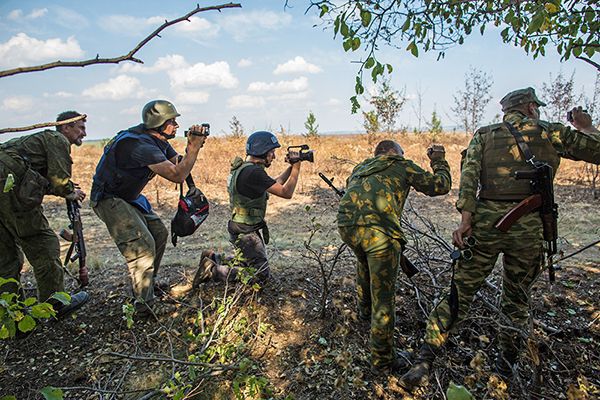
x,y
287,189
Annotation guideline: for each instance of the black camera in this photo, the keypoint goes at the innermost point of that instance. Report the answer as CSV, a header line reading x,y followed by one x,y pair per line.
x,y
195,133
304,153
570,115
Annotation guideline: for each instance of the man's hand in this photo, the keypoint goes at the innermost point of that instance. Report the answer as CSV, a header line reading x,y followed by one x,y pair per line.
x,y
582,121
463,230
196,136
77,195
436,152
292,157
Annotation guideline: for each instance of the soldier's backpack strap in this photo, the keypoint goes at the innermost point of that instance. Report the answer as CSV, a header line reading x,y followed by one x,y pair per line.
x,y
523,146
12,164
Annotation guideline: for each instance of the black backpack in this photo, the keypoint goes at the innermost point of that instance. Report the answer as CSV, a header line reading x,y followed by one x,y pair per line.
x,y
192,210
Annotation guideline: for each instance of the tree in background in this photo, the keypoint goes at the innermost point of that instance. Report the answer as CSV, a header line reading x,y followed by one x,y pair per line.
x,y
311,126
388,103
559,95
470,103
417,107
235,128
435,125
569,27
592,104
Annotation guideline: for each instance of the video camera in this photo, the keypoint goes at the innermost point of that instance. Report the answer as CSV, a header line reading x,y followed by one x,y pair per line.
x,y
206,131
304,153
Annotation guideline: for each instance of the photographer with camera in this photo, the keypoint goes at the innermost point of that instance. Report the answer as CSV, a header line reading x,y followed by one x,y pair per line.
x,y
130,160
248,187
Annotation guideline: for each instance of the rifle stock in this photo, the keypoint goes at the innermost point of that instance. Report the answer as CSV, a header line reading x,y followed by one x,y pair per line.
x,y
526,206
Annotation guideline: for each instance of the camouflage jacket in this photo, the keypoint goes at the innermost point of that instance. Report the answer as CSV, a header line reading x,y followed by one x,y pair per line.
x,y
565,141
377,189
49,153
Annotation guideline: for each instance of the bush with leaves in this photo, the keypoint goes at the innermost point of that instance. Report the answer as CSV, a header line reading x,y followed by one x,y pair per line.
x,y
312,128
24,315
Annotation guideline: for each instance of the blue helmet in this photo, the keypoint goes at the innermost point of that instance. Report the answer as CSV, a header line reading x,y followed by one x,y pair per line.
x,y
260,143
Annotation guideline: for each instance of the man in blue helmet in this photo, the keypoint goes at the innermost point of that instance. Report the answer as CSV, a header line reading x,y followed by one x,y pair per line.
x,y
249,187
130,160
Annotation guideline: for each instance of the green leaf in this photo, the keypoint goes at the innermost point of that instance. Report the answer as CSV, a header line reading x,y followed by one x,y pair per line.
x,y
536,22
27,324
365,18
355,44
551,314
9,280
571,311
30,301
8,398
347,44
369,63
324,10
62,297
4,333
355,104
413,49
458,392
389,68
52,393
42,310
344,29
322,341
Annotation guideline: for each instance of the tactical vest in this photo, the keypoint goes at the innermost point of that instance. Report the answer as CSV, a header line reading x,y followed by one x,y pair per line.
x,y
502,158
244,210
112,181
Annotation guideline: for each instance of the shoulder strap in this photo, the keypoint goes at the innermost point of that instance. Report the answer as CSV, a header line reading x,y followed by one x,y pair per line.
x,y
188,180
529,157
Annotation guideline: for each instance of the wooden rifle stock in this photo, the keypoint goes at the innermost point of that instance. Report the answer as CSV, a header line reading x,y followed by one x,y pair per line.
x,y
526,206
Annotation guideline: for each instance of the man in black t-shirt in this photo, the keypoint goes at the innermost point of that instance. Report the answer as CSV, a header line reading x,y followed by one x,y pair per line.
x,y
248,187
130,160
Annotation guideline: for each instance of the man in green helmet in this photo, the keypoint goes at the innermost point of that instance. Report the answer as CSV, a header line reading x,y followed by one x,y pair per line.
x,y
24,228
369,223
249,187
130,160
488,190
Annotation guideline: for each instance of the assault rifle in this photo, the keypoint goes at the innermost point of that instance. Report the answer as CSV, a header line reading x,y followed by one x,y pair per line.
x,y
542,199
76,239
407,266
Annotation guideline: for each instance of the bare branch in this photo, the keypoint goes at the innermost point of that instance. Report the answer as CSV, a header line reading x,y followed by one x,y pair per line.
x,y
587,60
116,60
43,125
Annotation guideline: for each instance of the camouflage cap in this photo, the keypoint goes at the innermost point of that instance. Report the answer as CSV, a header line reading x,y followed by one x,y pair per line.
x,y
521,96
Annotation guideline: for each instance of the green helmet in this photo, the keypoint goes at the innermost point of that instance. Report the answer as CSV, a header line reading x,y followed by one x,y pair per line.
x,y
157,112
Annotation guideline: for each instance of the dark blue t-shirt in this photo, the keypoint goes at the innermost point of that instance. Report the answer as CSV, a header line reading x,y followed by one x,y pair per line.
x,y
135,155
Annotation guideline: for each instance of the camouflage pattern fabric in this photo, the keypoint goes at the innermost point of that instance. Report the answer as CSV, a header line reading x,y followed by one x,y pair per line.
x,y
521,246
369,222
28,232
141,239
522,258
376,269
377,189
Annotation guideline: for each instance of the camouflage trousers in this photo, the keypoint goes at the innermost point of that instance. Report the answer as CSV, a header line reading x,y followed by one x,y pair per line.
x,y
376,270
141,239
522,250
28,232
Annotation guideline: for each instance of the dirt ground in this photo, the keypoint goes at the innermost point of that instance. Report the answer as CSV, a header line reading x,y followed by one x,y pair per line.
x,y
283,341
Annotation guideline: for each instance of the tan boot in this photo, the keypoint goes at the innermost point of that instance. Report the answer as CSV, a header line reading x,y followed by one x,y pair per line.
x,y
205,271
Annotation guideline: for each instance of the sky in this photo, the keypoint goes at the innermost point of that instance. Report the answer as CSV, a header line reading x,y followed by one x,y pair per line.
x,y
265,64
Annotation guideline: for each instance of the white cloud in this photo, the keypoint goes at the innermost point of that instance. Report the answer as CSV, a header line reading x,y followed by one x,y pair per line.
x,y
200,26
242,26
296,85
37,13
21,50
290,96
333,102
171,61
60,94
197,97
215,74
298,64
69,19
133,110
121,87
244,63
129,25
17,103
15,14
245,101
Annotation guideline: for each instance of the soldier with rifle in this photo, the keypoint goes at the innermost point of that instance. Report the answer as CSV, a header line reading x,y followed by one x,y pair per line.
x,y
30,167
369,223
507,206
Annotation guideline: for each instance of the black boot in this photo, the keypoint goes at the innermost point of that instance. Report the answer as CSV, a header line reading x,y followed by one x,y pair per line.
x,y
418,375
205,269
402,361
77,300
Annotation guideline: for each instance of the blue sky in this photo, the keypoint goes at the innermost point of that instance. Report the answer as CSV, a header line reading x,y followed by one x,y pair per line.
x,y
264,64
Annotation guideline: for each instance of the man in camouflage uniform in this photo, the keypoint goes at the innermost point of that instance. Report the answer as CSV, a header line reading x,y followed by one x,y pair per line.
x,y
26,230
488,190
369,222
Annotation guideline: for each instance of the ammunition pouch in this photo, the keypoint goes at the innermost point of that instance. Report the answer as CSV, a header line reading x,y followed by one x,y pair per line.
x,y
31,187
